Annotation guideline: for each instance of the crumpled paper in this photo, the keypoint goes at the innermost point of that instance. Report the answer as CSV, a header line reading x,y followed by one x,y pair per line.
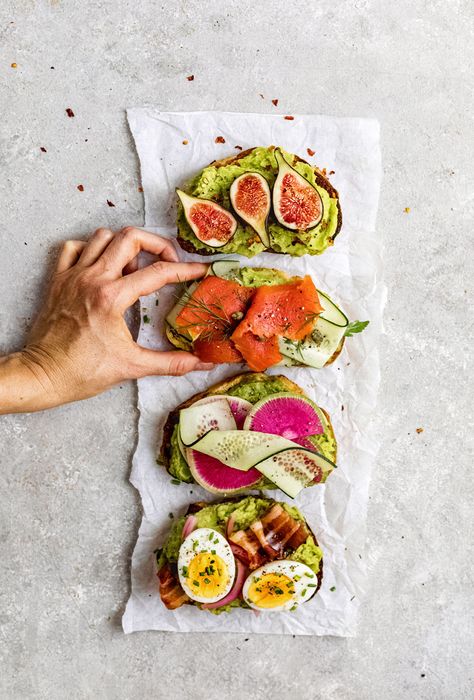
x,y
351,272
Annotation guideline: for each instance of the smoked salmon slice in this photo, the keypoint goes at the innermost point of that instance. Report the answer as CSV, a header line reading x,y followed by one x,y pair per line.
x,y
216,350
213,309
259,353
288,310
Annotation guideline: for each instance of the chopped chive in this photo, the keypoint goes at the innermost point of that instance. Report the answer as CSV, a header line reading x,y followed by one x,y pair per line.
x,y
333,588
177,482
185,570
207,580
146,319
308,575
170,516
196,583
304,592
213,551
312,585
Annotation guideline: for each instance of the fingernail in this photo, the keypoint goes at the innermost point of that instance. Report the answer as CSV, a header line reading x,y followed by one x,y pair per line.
x,y
204,365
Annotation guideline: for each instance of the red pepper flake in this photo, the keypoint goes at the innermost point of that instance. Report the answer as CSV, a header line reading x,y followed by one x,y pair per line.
x,y
69,112
43,149
190,77
219,139
310,152
239,148
275,102
111,204
332,172
80,188
140,189
290,119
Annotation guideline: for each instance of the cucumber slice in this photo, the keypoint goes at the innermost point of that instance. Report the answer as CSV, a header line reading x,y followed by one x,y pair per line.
x,y
294,469
196,421
177,308
331,312
227,269
241,449
316,349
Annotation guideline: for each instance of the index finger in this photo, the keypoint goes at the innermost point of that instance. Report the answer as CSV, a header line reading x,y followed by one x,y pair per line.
x,y
128,243
151,278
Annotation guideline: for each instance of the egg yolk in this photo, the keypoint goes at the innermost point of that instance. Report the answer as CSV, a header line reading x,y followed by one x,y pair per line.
x,y
207,575
271,590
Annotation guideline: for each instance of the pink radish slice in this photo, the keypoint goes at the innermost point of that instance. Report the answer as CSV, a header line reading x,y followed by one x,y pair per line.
x,y
189,526
235,590
240,407
216,477
285,414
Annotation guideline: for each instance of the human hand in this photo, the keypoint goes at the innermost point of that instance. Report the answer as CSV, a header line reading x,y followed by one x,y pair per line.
x,y
80,344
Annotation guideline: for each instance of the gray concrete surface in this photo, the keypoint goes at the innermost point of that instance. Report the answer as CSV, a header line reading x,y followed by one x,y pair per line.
x,y
68,517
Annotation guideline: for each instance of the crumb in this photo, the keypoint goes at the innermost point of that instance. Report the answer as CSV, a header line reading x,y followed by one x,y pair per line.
x,y
332,172
289,118
111,204
14,65
407,210
185,142
419,430
43,149
310,152
342,407
239,148
261,96
219,139
324,172
422,675
80,188
275,102
140,189
69,112
190,77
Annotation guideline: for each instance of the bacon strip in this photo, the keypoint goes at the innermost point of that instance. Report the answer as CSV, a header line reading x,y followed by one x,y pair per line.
x,y
281,529
247,540
257,529
171,592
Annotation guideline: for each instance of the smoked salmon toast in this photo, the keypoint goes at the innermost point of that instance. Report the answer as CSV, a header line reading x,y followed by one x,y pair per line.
x,y
258,316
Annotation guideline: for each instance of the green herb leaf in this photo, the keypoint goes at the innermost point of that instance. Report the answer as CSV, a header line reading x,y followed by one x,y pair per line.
x,y
355,327
146,319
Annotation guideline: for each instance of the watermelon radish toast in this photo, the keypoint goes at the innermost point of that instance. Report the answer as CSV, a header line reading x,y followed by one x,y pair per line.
x,y
260,316
263,199
250,552
252,431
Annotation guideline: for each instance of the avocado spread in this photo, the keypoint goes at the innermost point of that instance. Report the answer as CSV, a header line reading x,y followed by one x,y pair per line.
x,y
214,183
245,512
251,390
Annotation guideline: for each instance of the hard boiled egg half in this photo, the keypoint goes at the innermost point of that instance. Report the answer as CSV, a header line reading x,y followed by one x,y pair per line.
x,y
206,566
280,585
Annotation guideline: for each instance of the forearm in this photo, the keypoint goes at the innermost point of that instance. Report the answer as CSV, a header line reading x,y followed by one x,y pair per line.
x,y
24,386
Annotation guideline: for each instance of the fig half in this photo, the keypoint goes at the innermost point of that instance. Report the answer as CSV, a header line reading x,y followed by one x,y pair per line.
x,y
297,205
210,223
251,199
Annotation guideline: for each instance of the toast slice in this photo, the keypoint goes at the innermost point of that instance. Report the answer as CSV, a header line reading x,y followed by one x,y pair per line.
x,y
245,240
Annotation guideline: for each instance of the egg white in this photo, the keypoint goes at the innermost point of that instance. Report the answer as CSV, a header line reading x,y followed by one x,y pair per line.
x,y
303,579
205,540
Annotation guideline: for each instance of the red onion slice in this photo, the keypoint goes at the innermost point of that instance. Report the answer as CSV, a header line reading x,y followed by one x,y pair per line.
x,y
234,592
189,526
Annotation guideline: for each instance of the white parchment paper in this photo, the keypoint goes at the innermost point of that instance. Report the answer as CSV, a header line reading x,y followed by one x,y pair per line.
x,y
351,273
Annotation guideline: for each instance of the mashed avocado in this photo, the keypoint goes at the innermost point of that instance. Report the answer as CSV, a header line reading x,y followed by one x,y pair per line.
x,y
253,390
244,512
214,183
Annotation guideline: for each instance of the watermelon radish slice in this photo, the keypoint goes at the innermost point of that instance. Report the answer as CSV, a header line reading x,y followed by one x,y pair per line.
x,y
305,442
240,407
196,421
216,477
286,414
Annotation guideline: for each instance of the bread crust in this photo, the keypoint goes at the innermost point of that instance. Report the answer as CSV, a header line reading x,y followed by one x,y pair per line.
x,y
321,181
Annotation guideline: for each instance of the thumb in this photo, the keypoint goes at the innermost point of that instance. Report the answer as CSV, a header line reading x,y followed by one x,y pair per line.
x,y
175,363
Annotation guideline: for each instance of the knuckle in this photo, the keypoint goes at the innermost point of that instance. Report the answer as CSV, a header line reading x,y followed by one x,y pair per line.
x,y
129,231
105,295
159,267
103,233
178,367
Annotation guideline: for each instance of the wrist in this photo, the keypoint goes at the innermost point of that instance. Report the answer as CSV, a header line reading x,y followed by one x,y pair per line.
x,y
25,384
